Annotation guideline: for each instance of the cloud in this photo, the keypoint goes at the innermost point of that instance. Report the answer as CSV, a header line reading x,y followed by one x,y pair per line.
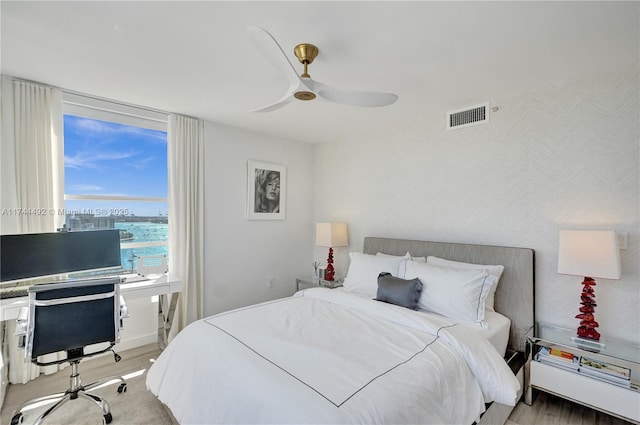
x,y
100,142
92,189
92,160
86,188
86,126
142,163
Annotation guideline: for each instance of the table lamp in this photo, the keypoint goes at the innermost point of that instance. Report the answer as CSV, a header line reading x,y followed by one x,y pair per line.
x,y
331,235
588,253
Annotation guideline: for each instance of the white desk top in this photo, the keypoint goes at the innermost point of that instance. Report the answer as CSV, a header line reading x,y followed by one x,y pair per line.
x,y
133,287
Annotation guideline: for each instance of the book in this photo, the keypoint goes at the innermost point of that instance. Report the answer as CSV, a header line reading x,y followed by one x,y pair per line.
x,y
561,355
555,354
604,368
559,365
556,357
606,377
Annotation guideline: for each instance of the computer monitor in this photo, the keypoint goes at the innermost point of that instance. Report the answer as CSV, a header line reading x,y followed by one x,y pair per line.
x,y
32,255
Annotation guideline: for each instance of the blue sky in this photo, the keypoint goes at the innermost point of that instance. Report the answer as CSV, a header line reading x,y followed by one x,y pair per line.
x,y
105,158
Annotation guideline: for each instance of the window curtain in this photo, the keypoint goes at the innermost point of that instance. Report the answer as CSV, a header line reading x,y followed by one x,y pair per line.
x,y
32,181
186,216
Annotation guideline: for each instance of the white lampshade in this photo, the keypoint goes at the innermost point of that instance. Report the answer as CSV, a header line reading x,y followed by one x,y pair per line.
x,y
590,253
331,234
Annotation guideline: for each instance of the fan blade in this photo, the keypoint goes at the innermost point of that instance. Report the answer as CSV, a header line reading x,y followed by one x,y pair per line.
x,y
354,98
271,50
303,84
277,105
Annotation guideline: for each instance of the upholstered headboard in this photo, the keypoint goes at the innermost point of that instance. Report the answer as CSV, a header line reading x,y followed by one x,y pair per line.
x,y
515,293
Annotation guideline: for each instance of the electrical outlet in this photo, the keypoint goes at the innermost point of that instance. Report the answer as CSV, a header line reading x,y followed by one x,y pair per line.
x,y
623,242
272,282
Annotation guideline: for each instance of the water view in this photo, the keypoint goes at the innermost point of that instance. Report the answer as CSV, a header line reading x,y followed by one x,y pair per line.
x,y
137,232
134,230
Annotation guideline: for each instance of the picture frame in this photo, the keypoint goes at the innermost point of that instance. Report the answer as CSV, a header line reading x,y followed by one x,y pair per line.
x,y
266,191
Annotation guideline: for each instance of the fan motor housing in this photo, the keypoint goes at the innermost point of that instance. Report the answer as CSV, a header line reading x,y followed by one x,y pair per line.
x,y
305,52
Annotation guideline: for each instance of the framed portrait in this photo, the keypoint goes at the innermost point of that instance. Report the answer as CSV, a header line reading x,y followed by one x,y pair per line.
x,y
266,191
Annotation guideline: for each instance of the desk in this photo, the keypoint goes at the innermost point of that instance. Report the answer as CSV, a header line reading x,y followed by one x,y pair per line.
x,y
134,288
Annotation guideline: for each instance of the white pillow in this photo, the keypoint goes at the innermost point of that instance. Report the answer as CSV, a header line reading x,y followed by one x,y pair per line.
x,y
492,270
403,265
459,294
364,269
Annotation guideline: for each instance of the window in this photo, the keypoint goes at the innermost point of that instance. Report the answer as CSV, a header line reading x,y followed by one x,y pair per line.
x,y
115,165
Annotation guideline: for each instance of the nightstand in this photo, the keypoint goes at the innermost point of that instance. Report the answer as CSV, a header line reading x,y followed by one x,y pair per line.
x,y
577,386
307,282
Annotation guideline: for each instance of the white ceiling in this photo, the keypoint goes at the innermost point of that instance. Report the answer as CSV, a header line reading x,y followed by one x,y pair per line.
x,y
194,58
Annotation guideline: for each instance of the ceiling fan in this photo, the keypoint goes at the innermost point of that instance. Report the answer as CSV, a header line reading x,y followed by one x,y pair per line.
x,y
302,87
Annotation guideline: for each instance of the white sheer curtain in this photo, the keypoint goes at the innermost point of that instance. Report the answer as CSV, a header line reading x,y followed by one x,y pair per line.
x,y
32,179
186,216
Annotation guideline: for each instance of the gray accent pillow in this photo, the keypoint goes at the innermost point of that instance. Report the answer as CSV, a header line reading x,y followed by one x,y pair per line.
x,y
402,292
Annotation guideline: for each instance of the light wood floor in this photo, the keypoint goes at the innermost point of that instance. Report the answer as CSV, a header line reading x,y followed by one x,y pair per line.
x,y
551,410
546,410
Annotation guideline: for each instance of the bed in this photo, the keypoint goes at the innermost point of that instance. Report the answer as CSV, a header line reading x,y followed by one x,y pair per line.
x,y
361,354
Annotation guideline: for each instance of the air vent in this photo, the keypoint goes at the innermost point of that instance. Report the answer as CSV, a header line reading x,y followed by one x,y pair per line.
x,y
473,115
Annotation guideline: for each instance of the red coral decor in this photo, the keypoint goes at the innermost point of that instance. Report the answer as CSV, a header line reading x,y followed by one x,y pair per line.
x,y
588,324
329,273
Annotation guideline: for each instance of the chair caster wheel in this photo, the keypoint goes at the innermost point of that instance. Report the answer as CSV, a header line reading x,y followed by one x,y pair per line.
x,y
108,418
17,419
122,388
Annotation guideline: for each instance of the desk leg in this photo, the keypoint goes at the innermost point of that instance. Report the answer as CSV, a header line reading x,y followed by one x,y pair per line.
x,y
166,311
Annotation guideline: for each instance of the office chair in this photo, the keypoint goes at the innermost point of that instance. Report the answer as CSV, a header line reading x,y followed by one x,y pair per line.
x,y
69,316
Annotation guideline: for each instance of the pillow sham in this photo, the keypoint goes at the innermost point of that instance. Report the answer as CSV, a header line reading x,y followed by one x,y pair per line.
x,y
362,276
395,290
405,257
495,271
459,294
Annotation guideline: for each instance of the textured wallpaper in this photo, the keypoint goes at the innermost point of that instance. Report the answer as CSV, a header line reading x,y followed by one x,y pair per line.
x,y
561,156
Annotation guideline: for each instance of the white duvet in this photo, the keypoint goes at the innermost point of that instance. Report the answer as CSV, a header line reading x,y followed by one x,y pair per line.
x,y
327,356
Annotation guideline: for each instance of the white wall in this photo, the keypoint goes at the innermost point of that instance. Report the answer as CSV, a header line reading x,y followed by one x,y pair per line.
x,y
242,255
562,156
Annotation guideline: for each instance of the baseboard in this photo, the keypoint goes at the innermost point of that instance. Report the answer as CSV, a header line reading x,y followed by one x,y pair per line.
x,y
128,344
136,342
